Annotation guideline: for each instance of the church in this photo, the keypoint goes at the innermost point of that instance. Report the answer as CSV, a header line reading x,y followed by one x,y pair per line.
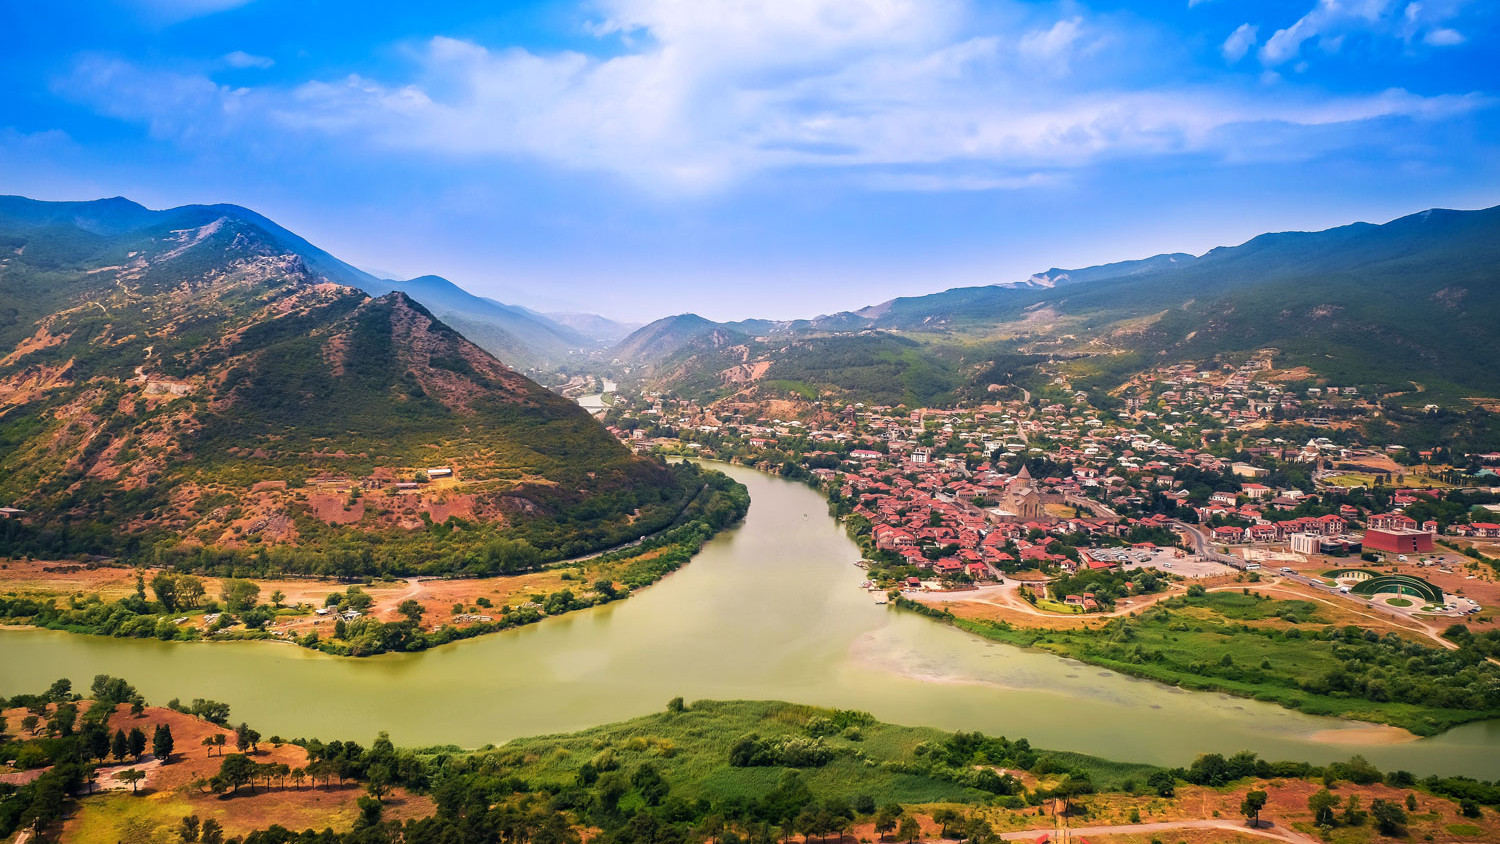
x,y
1021,500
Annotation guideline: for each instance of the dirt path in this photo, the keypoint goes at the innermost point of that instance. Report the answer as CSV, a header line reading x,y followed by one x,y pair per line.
x,y
1274,832
414,589
1349,606
1011,600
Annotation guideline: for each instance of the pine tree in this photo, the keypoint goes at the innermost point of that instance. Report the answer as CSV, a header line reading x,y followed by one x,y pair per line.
x,y
121,745
161,742
137,742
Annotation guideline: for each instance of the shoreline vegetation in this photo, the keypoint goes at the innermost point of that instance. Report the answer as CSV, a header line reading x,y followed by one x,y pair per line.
x,y
180,603
755,772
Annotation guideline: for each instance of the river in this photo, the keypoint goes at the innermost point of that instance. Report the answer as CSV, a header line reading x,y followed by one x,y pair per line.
x,y
769,610
594,402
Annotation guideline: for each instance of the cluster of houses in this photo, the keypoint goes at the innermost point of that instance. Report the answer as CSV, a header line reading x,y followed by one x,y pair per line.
x,y
929,478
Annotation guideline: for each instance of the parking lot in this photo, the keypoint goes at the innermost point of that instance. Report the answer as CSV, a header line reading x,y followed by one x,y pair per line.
x,y
1164,560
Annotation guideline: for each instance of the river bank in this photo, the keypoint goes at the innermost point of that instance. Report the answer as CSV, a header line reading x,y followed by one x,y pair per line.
x,y
357,619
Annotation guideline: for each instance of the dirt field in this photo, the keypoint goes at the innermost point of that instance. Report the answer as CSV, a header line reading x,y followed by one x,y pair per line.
x,y
167,794
437,596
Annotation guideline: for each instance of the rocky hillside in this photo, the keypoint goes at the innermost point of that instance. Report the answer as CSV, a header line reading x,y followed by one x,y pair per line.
x,y
184,383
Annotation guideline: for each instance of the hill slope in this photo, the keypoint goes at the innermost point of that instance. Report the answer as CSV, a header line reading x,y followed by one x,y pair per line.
x,y
516,335
181,379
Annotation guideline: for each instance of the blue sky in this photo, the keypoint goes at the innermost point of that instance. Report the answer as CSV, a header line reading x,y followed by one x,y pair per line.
x,y
769,158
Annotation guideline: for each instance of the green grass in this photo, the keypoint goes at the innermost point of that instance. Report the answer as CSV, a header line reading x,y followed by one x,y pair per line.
x,y
1058,607
1287,658
1398,602
1465,829
691,750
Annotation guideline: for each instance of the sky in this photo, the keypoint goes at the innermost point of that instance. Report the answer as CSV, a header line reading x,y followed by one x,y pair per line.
x,y
756,158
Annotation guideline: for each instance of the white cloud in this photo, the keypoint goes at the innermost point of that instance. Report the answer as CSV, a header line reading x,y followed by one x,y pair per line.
x,y
1330,21
702,93
242,59
1052,48
1443,37
1239,42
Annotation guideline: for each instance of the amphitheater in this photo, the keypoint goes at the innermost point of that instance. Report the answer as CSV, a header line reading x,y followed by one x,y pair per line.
x,y
1369,583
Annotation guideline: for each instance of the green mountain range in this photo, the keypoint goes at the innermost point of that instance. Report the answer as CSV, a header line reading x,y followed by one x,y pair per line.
x,y
1385,306
201,379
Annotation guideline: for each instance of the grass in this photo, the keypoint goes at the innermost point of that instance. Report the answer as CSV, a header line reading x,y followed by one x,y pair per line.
x,y
1398,602
691,748
1058,607
1243,645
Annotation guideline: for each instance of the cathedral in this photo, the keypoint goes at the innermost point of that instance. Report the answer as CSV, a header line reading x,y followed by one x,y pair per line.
x,y
1021,500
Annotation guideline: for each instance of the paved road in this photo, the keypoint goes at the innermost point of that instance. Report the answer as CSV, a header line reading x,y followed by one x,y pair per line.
x,y
1204,548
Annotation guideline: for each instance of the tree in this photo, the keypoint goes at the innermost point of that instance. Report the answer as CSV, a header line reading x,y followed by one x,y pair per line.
x,y
161,742
909,830
238,769
277,596
31,724
165,587
1251,806
238,594
189,591
132,776
1163,783
120,747
887,818
1321,803
212,833
137,742
96,740
60,691
649,782
1390,819
945,818
411,610
188,830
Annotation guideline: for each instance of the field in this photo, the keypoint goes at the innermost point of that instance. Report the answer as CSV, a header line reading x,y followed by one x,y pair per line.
x,y
690,748
1290,652
168,793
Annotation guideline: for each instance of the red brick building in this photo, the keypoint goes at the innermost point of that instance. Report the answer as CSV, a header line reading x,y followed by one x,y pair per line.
x,y
1398,541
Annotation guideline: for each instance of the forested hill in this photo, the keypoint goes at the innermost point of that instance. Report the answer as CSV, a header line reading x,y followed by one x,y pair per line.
x,y
171,382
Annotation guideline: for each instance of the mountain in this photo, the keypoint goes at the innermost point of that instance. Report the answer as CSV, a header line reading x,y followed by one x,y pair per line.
x,y
602,330
521,337
669,337
1121,269
187,382
1383,306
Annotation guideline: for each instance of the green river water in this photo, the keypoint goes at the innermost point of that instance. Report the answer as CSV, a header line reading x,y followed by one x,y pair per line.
x,y
767,611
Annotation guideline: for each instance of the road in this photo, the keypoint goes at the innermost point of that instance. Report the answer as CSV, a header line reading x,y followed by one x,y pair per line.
x,y
1203,547
1058,836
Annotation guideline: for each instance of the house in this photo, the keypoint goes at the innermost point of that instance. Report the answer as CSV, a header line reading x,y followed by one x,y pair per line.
x,y
1228,533
439,472
10,512
1393,521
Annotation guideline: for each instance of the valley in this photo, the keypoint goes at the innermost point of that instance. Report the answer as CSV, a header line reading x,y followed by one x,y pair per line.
x,y
1067,518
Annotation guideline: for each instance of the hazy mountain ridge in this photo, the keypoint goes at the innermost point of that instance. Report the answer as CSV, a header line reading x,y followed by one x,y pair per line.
x,y
170,376
1383,304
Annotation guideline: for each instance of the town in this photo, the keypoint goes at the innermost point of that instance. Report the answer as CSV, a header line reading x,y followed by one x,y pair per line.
x,y
1046,504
